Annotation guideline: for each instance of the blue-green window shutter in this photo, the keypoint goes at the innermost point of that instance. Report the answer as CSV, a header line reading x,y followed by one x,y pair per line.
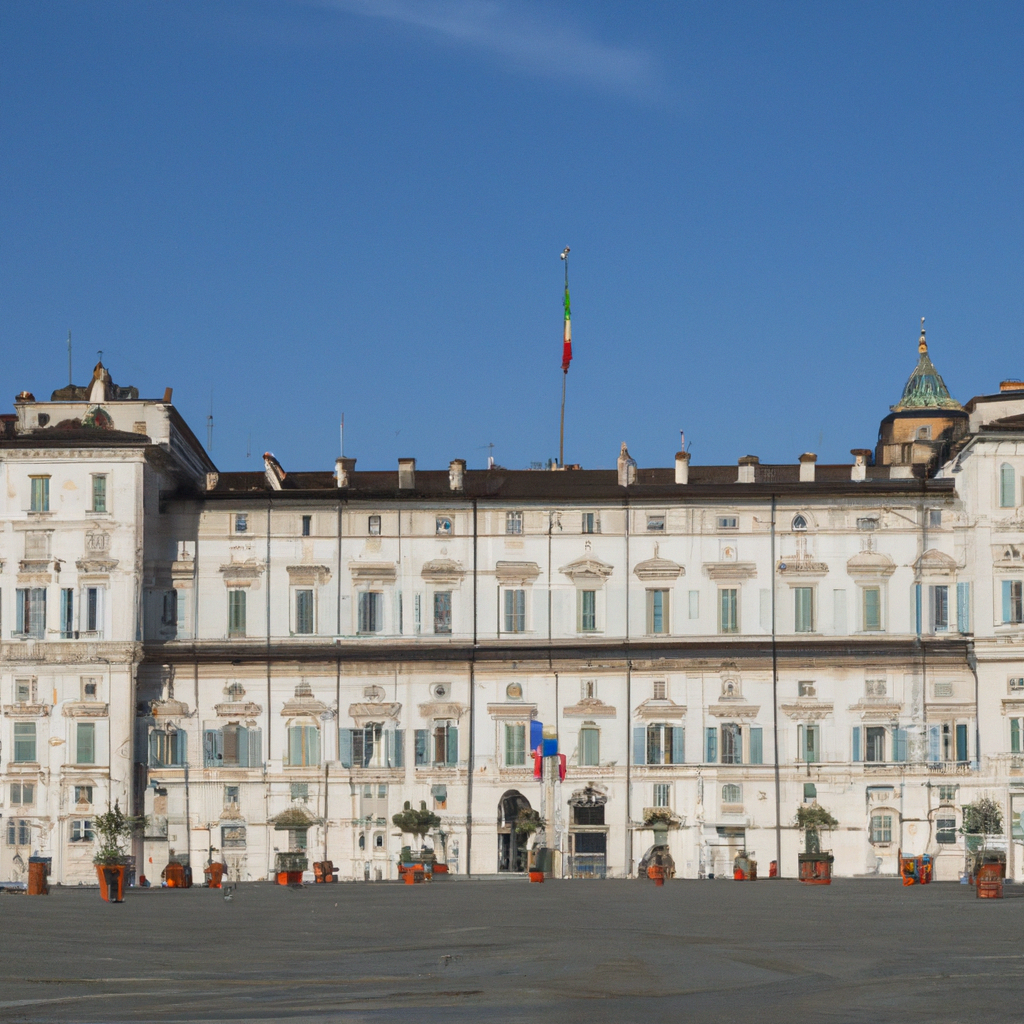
x,y
856,743
388,739
154,749
961,742
295,745
1006,486
756,745
399,748
1007,605
899,744
1014,735
801,742
453,745
639,745
917,608
180,746
421,746
243,747
345,747
710,745
255,748
963,607
933,743
678,749
211,748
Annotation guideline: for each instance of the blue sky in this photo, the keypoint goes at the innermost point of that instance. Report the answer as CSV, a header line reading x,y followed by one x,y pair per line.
x,y
302,208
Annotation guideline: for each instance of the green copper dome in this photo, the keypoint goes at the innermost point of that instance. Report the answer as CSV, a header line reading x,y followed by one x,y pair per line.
x,y
925,389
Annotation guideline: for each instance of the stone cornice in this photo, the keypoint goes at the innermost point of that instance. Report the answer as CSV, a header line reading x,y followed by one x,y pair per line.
x,y
588,707
876,710
807,710
444,571
374,711
168,708
371,572
26,710
803,568
737,709
658,709
85,709
658,568
241,574
516,572
238,709
517,711
73,652
730,570
442,709
314,575
99,566
588,567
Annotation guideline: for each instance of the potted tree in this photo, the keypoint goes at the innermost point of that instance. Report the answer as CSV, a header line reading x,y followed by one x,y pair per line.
x,y
115,830
528,822
658,859
418,824
815,866
985,843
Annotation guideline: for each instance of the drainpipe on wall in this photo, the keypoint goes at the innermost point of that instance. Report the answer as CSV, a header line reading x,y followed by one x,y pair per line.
x,y
775,711
972,664
472,711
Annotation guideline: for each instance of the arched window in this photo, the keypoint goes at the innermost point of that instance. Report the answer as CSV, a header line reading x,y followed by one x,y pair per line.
x,y
1007,488
799,523
732,794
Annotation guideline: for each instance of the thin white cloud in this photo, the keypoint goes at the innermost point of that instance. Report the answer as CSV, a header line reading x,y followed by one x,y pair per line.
x,y
523,35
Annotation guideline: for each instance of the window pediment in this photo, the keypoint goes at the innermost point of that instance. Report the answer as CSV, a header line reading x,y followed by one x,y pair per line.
x,y
443,570
26,710
935,563
660,709
730,570
658,568
870,564
587,568
443,709
373,572
170,708
802,567
242,573
516,572
734,710
807,710
313,575
85,709
238,709
588,707
518,711
374,711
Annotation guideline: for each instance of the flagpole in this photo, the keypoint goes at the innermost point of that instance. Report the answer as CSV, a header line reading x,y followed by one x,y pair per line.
x,y
566,356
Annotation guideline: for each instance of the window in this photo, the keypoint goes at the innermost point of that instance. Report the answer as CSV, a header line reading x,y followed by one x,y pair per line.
x,y
1015,745
934,519
514,522
232,796
67,613
732,794
169,614
18,832
1007,487
660,690
299,790
728,621
588,689
728,522
694,601
40,494
808,743
799,523
588,611
656,524
938,607
867,523
31,612
899,744
591,522
515,611
168,748
24,741
963,607
439,745
442,611
99,493
236,612
803,609
658,744
1013,601
378,841
298,840
23,793
923,434
303,745
662,794
711,745
874,743
881,828
82,830
371,746
232,837
874,688
945,831
806,688
307,525
83,794
657,611
871,603
371,612
25,691
241,522
732,744
373,526
443,526
92,610
304,611
85,743
947,794
232,746
810,792
515,744
590,745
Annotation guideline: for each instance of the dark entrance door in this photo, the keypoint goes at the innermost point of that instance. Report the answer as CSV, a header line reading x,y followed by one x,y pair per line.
x,y
511,847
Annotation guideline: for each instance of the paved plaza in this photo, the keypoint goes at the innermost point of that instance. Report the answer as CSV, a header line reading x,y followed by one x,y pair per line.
x,y
463,951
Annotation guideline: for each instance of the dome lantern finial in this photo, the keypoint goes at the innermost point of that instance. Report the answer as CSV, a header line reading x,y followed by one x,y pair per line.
x,y
922,345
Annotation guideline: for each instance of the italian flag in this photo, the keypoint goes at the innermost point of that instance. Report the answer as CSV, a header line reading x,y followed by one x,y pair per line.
x,y
567,336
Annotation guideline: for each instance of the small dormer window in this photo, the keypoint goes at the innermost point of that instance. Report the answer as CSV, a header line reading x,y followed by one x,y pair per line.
x,y
656,523
799,523
728,522
923,434
373,526
241,523
514,522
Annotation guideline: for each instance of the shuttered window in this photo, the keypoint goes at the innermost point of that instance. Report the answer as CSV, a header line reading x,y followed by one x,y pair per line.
x,y
1013,601
515,611
658,744
872,608
236,612
732,744
756,744
590,745
85,743
963,607
657,611
442,611
40,494
303,745
24,741
515,744
371,612
303,611
588,610
168,748
31,612
1007,486
234,746
803,601
99,493
728,621
808,741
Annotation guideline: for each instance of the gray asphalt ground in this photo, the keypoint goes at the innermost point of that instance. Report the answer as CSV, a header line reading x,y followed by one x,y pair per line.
x,y
466,951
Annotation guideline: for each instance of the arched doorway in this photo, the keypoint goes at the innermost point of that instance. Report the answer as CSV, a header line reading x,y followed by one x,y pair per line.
x,y
511,847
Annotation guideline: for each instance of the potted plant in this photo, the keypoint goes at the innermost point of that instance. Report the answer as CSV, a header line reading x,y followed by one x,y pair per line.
x,y
985,842
528,822
815,866
418,824
659,861
115,830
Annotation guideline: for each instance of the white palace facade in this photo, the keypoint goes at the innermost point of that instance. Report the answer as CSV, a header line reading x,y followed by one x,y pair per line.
x,y
274,661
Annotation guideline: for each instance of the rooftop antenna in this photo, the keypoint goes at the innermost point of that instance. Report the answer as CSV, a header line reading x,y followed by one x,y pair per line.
x,y
490,453
70,378
209,426
566,359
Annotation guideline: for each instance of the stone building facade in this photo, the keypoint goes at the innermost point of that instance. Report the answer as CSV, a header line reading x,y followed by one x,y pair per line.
x,y
280,660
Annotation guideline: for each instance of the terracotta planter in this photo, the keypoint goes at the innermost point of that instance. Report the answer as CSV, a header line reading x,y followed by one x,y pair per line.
x,y
37,872
175,876
989,883
214,874
816,868
289,878
111,878
536,876
656,873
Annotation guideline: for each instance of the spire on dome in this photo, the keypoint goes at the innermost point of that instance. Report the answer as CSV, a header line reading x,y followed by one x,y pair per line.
x,y
925,389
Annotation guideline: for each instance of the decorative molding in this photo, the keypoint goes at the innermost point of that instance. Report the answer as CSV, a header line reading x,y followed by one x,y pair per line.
x,y
807,710
443,709
444,571
588,567
730,570
242,574
658,568
870,565
802,568
517,711
934,563
374,711
238,709
26,710
182,571
86,709
516,572
168,708
314,575
373,572
734,710
876,710
303,704
659,709
588,707
98,566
